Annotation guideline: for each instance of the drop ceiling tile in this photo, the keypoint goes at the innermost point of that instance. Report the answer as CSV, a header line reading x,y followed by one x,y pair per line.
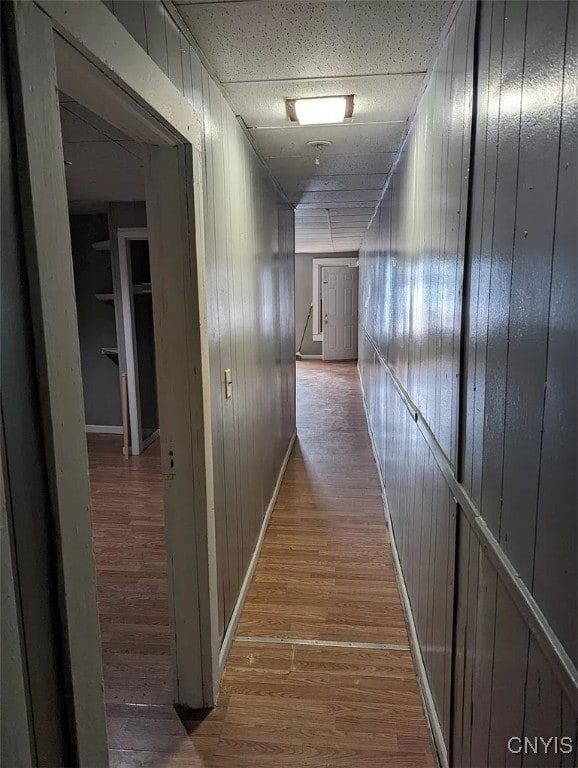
x,y
343,230
350,221
266,41
100,154
135,148
346,139
93,121
381,98
327,198
364,206
311,216
74,129
335,183
330,164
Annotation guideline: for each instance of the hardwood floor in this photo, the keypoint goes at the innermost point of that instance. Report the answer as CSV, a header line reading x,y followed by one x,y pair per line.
x,y
131,572
325,574
295,693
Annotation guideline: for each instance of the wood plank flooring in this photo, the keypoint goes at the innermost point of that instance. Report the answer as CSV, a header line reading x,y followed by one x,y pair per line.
x,y
325,574
130,554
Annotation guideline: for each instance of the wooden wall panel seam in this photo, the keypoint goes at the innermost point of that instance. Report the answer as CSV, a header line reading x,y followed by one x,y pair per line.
x,y
459,661
562,664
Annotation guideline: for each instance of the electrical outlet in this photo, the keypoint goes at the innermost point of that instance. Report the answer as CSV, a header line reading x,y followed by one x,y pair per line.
x,y
228,383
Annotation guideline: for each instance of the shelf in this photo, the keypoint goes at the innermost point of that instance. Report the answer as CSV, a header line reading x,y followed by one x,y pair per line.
x,y
139,289
111,352
102,245
142,288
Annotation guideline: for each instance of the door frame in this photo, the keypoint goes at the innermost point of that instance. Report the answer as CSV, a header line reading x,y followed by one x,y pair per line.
x,y
124,237
323,336
104,68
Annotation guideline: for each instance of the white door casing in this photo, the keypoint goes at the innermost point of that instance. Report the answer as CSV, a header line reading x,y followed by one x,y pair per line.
x,y
340,313
124,236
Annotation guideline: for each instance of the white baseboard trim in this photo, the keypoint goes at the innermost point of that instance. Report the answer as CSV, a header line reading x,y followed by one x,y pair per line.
x,y
150,439
103,429
310,357
434,724
232,627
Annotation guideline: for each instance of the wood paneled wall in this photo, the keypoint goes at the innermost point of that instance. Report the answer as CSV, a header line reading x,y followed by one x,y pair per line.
x,y
249,243
468,362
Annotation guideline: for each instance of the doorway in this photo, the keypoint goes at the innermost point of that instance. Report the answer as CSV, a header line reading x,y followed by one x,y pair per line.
x,y
122,87
309,314
113,288
339,312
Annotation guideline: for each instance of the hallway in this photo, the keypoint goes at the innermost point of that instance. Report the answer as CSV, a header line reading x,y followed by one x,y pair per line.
x,y
320,673
411,166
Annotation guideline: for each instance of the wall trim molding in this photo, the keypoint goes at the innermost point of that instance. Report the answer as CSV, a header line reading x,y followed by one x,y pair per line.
x,y
435,728
236,615
103,429
553,650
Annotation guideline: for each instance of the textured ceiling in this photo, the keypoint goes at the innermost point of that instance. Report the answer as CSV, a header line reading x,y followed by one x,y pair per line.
x,y
102,164
264,51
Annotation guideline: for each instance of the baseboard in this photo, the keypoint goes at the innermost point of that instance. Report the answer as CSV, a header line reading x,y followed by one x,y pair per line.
x,y
310,357
434,724
103,429
232,627
150,439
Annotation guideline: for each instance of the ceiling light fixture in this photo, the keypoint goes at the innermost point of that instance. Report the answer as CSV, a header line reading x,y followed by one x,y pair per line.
x,y
319,145
318,111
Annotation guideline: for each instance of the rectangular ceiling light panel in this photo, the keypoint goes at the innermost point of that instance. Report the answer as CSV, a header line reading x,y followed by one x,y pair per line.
x,y
320,111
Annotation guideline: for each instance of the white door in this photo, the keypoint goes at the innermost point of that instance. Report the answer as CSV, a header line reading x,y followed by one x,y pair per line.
x,y
339,313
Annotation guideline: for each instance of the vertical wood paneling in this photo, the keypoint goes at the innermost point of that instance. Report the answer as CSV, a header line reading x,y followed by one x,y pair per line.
x,y
131,14
542,708
531,277
156,34
186,69
488,675
412,267
508,677
174,56
556,534
503,222
249,251
516,211
484,645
